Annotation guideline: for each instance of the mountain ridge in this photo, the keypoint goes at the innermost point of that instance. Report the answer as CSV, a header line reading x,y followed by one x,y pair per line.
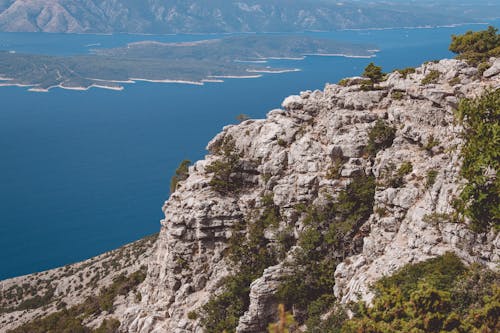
x,y
201,16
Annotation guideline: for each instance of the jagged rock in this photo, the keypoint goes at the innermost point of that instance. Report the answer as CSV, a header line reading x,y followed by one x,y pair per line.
x,y
263,303
493,70
289,155
294,148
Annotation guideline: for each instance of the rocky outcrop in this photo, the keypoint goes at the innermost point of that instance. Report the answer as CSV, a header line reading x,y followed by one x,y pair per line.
x,y
302,156
289,156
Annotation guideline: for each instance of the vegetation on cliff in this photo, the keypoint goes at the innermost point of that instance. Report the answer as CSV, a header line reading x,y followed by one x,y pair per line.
x,y
476,47
181,173
73,320
438,295
480,198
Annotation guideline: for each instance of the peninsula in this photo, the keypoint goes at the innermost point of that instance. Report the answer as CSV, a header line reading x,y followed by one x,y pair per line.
x,y
192,63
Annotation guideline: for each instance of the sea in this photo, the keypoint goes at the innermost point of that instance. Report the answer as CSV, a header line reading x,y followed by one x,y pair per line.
x,y
84,172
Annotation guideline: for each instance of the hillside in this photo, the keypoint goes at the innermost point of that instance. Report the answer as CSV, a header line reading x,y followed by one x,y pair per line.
x,y
311,205
204,16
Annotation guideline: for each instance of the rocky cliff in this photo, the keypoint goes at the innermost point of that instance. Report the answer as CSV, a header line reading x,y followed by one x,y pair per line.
x,y
245,209
304,154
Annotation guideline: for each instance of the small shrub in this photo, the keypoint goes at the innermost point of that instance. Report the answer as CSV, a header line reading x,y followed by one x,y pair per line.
x,y
405,168
242,117
431,178
333,172
431,143
192,315
480,199
482,67
439,272
226,177
396,179
282,143
437,218
437,295
406,71
380,137
397,95
367,85
181,173
454,81
432,77
381,211
374,73
343,82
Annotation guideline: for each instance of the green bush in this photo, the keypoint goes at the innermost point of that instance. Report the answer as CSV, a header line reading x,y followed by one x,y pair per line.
x,y
483,67
476,47
380,137
431,143
343,82
374,73
282,143
397,95
480,198
395,179
71,320
226,170
431,178
250,254
242,117
454,81
192,315
406,71
181,173
309,287
432,77
438,295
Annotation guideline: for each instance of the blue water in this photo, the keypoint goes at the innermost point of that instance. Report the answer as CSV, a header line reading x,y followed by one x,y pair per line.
x,y
85,172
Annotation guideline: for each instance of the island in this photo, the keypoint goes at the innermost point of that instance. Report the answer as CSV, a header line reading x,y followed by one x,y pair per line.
x,y
212,60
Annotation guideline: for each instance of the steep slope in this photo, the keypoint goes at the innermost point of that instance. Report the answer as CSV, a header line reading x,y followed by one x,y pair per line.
x,y
305,156
24,298
329,194
203,16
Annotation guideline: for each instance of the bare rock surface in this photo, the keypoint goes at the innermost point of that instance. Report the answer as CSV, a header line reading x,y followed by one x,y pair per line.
x,y
289,155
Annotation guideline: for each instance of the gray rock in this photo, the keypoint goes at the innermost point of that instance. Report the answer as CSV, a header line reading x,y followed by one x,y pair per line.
x,y
493,70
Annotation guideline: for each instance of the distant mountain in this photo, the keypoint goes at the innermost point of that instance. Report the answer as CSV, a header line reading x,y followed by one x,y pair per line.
x,y
207,16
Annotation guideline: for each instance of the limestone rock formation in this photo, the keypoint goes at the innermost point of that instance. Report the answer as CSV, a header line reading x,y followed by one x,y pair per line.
x,y
288,155
300,156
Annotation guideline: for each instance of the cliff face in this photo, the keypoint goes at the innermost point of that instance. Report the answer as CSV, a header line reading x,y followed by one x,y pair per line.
x,y
299,157
289,157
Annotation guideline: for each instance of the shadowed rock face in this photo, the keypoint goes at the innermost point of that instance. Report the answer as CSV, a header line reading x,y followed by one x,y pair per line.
x,y
288,155
161,16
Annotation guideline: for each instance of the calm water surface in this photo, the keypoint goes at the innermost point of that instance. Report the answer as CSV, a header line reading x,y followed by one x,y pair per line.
x,y
85,172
